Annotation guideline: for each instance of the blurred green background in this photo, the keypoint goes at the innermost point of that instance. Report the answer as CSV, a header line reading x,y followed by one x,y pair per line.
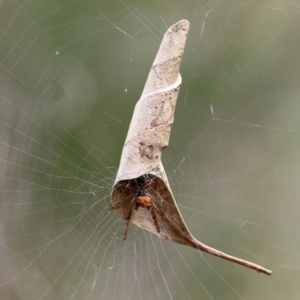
x,y
71,73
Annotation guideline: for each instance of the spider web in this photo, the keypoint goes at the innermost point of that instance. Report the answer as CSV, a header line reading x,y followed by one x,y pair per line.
x,y
71,73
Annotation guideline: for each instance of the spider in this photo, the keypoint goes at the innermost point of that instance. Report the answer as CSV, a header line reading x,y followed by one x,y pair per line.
x,y
141,199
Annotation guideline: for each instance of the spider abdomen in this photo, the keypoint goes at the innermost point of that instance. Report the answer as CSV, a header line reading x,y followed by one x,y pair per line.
x,y
144,201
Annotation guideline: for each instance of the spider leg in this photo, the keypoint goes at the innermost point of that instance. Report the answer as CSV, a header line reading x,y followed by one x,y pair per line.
x,y
154,217
150,185
126,229
117,205
127,219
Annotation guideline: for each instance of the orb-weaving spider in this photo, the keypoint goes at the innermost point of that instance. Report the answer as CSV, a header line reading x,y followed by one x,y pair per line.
x,y
141,199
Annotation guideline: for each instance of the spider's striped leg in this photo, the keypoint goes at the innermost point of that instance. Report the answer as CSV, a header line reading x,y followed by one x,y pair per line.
x,y
127,219
118,205
154,217
126,229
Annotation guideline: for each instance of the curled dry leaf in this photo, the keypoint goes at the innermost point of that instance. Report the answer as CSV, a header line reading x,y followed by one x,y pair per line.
x,y
141,193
